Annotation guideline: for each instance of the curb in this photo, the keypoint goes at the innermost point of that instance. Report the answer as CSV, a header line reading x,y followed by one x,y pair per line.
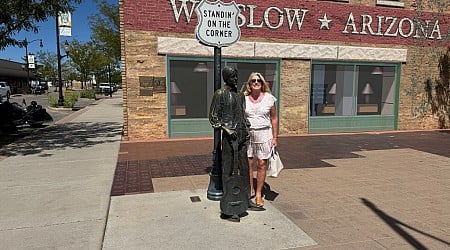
x,y
63,109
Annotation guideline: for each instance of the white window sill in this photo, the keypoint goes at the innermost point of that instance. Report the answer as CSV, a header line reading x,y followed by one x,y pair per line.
x,y
390,3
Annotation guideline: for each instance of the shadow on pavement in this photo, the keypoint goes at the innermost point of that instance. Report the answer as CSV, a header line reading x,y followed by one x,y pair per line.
x,y
59,137
397,225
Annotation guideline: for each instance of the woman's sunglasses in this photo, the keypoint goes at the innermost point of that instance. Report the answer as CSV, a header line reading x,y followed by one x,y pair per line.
x,y
256,80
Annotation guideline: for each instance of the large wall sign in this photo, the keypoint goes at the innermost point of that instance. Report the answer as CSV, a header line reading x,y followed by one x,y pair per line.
x,y
305,20
217,23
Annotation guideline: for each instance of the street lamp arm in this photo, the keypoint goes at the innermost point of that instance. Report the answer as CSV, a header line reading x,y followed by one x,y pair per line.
x,y
26,42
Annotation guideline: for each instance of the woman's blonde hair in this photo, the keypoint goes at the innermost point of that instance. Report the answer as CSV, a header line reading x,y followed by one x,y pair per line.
x,y
264,87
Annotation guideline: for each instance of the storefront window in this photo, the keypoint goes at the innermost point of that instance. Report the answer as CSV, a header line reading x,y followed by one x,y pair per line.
x,y
189,87
192,84
349,90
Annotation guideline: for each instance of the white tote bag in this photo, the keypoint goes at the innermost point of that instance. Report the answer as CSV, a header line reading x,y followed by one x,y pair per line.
x,y
274,164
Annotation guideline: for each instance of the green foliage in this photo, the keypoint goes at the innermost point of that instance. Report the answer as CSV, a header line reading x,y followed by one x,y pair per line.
x,y
87,93
52,100
98,91
49,62
105,29
86,58
25,15
70,98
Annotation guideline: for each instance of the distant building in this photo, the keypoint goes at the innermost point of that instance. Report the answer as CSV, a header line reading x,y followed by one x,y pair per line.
x,y
15,74
334,66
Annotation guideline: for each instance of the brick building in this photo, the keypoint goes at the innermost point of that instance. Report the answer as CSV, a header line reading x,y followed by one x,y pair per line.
x,y
335,66
16,76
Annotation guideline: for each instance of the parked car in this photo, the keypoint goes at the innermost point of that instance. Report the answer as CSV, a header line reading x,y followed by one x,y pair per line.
x,y
106,88
38,87
5,91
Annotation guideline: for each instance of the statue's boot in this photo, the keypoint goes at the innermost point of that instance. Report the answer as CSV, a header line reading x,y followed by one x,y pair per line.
x,y
232,218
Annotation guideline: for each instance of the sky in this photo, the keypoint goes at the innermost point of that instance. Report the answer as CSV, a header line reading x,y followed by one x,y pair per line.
x,y
47,32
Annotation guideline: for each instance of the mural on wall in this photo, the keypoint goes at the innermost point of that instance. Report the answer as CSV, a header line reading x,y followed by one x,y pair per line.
x,y
438,92
424,63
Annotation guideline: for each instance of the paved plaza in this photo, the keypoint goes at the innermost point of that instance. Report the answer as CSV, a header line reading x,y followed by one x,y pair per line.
x,y
79,186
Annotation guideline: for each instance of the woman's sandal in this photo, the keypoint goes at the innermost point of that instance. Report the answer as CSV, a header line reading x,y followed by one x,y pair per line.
x,y
259,201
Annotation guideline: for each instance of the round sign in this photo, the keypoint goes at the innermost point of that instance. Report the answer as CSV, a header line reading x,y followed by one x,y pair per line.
x,y
217,23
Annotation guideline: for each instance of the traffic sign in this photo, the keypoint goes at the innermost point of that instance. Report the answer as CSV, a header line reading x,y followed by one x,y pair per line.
x,y
217,23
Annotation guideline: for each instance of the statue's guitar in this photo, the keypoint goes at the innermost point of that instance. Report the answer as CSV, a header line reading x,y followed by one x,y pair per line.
x,y
235,199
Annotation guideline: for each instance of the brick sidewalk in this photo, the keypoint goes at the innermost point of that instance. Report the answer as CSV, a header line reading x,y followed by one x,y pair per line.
x,y
354,191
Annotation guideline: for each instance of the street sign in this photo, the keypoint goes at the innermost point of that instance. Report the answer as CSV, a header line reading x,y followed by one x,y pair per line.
x,y
31,62
217,23
65,23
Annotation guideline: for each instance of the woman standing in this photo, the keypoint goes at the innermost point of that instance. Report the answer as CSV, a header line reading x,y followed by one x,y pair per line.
x,y
261,112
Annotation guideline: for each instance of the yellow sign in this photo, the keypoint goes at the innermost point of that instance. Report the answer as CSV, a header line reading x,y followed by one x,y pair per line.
x,y
65,24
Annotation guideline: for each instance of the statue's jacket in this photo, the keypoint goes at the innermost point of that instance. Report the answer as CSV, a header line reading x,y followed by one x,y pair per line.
x,y
227,112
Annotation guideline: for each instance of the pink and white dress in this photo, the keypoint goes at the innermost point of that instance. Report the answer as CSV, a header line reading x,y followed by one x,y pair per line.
x,y
258,114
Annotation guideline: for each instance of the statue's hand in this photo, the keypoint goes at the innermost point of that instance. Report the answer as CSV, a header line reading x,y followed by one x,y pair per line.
x,y
234,135
231,132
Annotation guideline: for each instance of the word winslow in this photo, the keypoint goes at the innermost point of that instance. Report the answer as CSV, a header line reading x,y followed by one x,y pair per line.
x,y
294,18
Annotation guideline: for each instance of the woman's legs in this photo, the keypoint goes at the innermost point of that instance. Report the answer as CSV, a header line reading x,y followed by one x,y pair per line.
x,y
260,179
250,173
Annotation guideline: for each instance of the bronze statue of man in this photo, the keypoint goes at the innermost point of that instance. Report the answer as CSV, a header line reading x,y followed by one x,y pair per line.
x,y
227,112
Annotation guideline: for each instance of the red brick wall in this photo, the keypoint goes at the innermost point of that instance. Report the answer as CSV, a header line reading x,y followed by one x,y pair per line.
x,y
157,15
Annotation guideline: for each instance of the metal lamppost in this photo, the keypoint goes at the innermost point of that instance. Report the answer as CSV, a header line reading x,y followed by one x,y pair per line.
x,y
215,187
109,80
26,42
58,52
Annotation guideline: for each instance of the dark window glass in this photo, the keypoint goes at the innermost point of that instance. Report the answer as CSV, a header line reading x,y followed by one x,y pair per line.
x,y
348,90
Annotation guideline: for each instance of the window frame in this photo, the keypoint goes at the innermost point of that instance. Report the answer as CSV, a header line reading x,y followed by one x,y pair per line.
x,y
225,62
344,123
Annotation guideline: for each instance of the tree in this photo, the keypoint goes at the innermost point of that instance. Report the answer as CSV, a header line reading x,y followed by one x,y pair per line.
x,y
86,58
49,65
69,72
105,30
24,15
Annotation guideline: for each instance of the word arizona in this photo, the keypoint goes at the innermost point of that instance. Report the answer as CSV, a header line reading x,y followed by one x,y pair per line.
x,y
294,18
393,27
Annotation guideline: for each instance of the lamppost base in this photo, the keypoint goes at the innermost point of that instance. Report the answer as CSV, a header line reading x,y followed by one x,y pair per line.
x,y
215,191
61,103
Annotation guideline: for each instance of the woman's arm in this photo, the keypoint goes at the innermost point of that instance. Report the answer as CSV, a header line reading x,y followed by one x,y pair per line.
x,y
274,121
